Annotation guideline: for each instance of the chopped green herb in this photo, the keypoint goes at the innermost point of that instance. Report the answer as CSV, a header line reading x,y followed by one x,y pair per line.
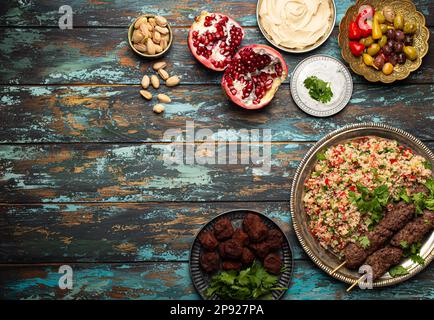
x,y
430,185
413,252
320,156
429,204
319,90
419,202
418,259
252,283
403,195
397,271
364,242
403,244
427,165
372,202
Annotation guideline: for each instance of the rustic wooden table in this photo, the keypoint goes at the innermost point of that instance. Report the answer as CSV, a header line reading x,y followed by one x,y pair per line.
x,y
82,179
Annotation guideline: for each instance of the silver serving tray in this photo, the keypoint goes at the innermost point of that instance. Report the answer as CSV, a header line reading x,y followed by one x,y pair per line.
x,y
323,258
306,49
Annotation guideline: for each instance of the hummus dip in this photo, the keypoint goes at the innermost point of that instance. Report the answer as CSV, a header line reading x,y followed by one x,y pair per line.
x,y
295,24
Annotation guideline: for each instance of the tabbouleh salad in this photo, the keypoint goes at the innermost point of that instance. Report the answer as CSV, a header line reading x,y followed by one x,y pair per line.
x,y
370,166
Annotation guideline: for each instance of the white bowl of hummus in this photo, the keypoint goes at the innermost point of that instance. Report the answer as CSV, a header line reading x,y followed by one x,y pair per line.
x,y
296,25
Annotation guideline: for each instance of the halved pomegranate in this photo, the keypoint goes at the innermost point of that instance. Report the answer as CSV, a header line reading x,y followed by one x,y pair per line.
x,y
254,75
214,38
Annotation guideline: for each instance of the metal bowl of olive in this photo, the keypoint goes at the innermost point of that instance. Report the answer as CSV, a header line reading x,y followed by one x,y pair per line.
x,y
383,40
150,36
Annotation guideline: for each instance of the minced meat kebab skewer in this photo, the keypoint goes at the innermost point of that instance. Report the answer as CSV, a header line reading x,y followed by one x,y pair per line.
x,y
385,258
414,231
397,217
381,261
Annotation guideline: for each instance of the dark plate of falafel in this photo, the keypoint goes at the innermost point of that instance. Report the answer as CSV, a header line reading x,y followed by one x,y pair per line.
x,y
233,241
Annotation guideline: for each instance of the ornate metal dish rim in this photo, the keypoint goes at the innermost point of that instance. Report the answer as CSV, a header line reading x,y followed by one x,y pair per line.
x,y
302,167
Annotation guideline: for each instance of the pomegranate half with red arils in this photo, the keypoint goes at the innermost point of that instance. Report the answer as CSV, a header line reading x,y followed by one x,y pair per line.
x,y
254,75
214,38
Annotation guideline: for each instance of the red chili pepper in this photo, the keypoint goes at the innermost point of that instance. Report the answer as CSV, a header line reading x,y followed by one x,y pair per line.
x,y
354,32
356,48
364,20
353,188
327,182
392,161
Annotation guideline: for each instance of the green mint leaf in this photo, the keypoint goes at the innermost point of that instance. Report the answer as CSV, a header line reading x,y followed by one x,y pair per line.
x,y
397,271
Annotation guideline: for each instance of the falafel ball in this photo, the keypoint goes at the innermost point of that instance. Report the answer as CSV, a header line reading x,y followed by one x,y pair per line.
x,y
231,265
255,227
241,236
274,239
273,263
208,240
221,249
223,229
261,249
247,257
210,261
231,249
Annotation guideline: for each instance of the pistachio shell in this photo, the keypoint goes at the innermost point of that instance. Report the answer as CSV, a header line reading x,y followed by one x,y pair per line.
x,y
157,37
145,82
158,48
163,43
155,82
172,81
162,30
152,22
161,21
137,36
159,65
144,30
140,47
146,94
140,21
163,74
163,98
151,46
158,108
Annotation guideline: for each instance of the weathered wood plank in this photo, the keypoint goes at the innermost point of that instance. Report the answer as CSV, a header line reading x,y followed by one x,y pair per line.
x,y
158,280
121,12
130,173
119,113
102,56
116,232
139,173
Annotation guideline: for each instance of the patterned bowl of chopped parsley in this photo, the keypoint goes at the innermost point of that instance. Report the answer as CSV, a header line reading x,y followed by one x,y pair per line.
x,y
321,85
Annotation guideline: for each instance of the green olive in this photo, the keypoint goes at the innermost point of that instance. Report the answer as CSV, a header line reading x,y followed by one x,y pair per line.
x,y
398,22
379,16
373,49
410,52
368,41
383,28
410,27
368,60
387,68
382,42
